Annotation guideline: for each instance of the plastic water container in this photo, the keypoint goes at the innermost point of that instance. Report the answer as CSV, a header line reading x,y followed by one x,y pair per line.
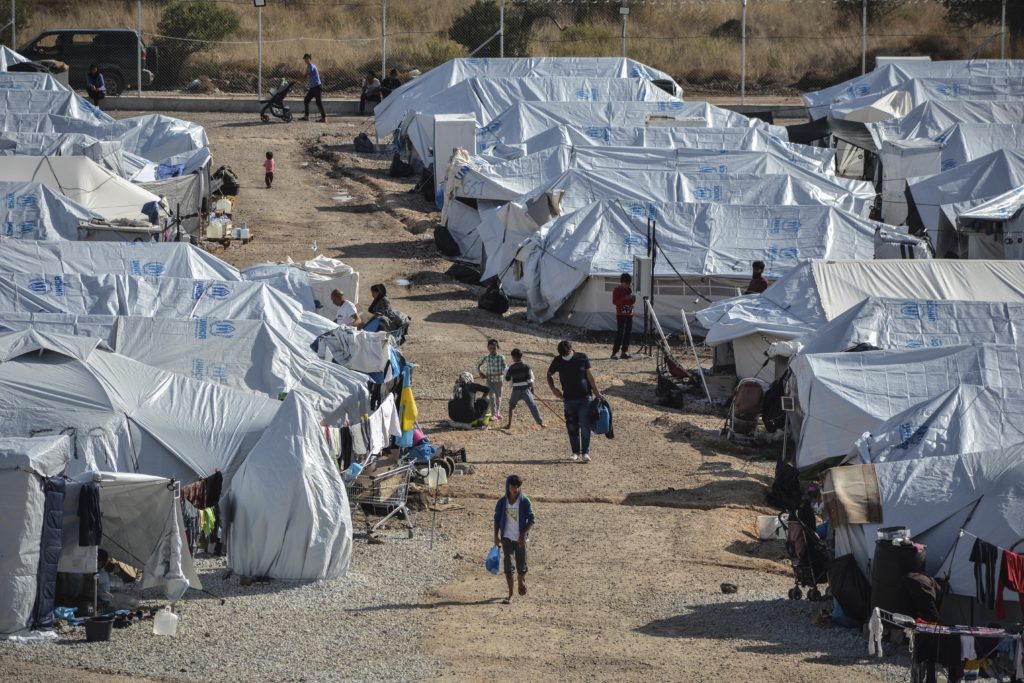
x,y
769,527
245,231
236,233
437,477
165,623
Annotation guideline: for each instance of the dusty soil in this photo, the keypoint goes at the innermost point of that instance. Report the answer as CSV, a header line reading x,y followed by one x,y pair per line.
x,y
629,551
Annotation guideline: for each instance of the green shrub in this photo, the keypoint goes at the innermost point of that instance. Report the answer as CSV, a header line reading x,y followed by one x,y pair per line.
x,y
187,27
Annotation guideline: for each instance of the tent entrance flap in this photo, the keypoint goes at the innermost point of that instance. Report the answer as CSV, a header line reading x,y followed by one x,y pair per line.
x,y
851,495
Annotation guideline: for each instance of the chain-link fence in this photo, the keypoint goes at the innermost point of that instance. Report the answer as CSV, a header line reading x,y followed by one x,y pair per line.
x,y
711,47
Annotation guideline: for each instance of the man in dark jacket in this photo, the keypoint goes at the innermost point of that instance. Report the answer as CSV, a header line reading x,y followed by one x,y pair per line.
x,y
578,389
390,84
513,519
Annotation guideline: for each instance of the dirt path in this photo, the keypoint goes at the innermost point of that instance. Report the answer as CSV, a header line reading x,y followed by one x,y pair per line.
x,y
630,551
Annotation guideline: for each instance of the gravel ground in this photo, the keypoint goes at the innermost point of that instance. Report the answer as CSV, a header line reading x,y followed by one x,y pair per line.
x,y
356,628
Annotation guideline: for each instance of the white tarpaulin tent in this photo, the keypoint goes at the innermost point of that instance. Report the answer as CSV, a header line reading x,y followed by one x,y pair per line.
x,y
129,417
162,297
242,354
393,109
819,291
13,80
937,199
59,103
525,120
980,493
486,98
106,153
597,244
24,464
305,527
82,180
995,229
918,323
967,419
883,79
153,259
932,118
9,57
840,396
32,211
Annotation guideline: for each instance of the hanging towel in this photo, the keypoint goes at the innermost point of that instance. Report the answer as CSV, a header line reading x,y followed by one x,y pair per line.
x,y
1012,577
407,409
90,524
207,521
985,557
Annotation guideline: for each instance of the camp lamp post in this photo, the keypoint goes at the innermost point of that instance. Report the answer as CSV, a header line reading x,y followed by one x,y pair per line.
x,y
743,54
864,37
138,50
14,9
501,29
259,5
383,38
624,12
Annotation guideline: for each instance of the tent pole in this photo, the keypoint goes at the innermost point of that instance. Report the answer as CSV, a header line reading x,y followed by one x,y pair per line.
x,y
743,54
864,37
1002,33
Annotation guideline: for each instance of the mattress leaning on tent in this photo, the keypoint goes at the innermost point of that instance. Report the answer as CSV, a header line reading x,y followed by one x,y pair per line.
x,y
819,291
130,417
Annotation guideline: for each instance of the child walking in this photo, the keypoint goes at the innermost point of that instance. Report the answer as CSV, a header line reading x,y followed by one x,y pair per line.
x,y
521,376
492,368
513,519
269,166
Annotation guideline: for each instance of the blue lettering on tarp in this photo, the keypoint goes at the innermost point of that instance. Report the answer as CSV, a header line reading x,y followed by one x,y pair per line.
x,y
633,242
153,268
790,253
625,266
135,268
10,200
28,201
910,309
721,168
218,372
198,368
772,253
39,285
8,229
27,227
58,285
197,290
862,90
200,329
910,436
701,193
932,309
634,71
915,344
582,94
935,342
219,291
222,328
948,164
948,90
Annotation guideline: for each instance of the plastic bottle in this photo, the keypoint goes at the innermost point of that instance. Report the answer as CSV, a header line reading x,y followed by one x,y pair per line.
x,y
165,623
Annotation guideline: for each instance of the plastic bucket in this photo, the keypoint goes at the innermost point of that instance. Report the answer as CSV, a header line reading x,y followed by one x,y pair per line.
x,y
98,629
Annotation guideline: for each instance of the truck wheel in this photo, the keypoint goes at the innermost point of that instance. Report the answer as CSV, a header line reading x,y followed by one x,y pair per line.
x,y
115,84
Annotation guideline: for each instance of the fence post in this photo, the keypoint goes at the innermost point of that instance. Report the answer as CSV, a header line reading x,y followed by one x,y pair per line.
x,y
624,12
14,27
743,54
138,49
1002,33
383,38
259,50
864,37
501,29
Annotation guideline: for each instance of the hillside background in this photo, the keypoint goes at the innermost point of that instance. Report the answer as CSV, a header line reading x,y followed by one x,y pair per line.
x,y
792,45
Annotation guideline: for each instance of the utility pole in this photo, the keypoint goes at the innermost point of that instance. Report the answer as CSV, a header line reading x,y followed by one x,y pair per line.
x,y
624,12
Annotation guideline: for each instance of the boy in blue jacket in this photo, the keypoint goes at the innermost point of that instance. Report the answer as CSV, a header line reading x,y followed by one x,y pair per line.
x,y
513,519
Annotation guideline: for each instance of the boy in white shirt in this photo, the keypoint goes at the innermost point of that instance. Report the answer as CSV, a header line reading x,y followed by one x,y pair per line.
x,y
513,519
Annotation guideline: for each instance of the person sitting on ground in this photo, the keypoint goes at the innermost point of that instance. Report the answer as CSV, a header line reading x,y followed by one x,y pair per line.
x,y
347,313
513,519
757,282
391,83
464,406
521,376
371,91
385,318
95,86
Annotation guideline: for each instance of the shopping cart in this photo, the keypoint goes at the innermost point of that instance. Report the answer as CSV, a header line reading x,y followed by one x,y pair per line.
x,y
383,495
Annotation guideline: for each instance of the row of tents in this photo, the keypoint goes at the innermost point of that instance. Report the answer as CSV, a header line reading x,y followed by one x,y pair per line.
x,y
555,184
135,367
904,378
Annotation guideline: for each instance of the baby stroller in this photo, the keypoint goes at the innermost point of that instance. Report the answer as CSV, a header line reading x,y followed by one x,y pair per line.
x,y
745,410
274,103
807,552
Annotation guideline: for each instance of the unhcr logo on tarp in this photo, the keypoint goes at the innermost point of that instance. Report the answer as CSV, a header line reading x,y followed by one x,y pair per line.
x,y
222,328
598,133
219,291
587,95
197,290
152,269
200,328
39,285
670,106
910,436
948,164
948,90
787,225
641,210
721,168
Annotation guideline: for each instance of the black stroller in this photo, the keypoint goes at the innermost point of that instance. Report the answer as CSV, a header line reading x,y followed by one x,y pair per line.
x,y
807,552
274,104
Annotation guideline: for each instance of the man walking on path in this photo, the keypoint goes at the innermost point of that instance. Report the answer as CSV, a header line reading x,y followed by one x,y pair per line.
x,y
314,88
578,389
513,519
521,377
492,368
623,300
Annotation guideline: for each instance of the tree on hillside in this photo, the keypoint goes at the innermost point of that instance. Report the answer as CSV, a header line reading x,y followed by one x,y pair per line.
x,y
968,14
481,20
188,26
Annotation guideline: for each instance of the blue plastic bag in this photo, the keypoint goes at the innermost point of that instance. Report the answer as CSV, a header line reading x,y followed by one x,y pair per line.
x,y
493,562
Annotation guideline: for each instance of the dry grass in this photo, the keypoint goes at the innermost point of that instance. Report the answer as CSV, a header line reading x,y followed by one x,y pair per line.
x,y
793,45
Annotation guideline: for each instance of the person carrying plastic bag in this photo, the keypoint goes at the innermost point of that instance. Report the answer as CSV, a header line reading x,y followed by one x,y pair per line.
x,y
513,519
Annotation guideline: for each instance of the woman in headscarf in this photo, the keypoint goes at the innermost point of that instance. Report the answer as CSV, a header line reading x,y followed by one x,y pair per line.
x,y
380,308
464,406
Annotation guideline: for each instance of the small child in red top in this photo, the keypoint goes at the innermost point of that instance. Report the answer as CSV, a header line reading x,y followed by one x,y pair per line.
x,y
269,166
623,299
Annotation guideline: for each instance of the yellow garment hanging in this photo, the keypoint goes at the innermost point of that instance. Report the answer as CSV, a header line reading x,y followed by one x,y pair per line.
x,y
409,410
207,520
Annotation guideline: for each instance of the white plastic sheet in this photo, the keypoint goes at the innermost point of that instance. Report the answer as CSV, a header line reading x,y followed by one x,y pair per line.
x,y
15,80
33,211
152,259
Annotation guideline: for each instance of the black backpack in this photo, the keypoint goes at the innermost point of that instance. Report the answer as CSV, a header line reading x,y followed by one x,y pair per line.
x,y
400,169
363,143
771,411
446,244
494,300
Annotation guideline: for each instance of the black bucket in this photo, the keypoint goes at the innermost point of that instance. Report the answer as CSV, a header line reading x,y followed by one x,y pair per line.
x,y
98,629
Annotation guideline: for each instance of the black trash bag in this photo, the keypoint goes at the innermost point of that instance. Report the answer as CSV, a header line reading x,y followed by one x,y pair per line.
x,y
426,186
772,414
494,300
467,275
850,588
364,144
921,596
229,180
445,243
785,493
400,169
